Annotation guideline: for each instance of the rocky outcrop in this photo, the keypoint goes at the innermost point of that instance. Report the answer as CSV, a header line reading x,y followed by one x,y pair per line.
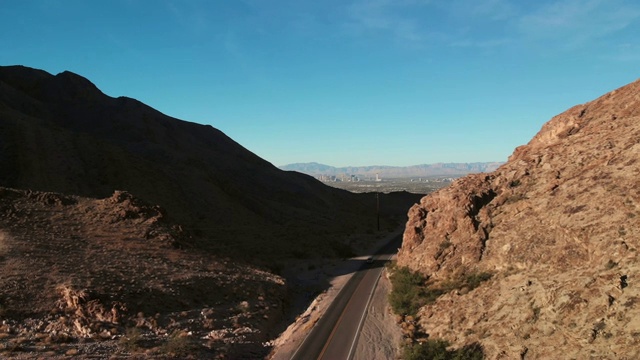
x,y
558,226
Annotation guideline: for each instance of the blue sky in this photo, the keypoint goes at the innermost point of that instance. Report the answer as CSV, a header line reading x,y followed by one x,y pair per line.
x,y
348,82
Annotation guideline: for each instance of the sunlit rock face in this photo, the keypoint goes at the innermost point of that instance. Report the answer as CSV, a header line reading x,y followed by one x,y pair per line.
x,y
558,226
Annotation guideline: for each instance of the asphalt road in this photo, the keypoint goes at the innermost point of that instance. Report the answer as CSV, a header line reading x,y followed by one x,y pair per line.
x,y
334,336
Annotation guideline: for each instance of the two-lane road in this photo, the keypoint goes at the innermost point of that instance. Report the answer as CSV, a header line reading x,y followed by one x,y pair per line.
x,y
335,335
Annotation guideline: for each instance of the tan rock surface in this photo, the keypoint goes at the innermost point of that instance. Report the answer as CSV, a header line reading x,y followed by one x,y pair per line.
x,y
559,227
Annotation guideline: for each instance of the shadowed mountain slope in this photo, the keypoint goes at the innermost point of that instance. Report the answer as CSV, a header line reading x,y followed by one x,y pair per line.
x,y
558,227
61,133
125,232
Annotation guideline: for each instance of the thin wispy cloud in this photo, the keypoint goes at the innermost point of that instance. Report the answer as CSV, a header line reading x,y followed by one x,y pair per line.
x,y
453,23
575,23
189,17
493,10
481,44
397,18
560,25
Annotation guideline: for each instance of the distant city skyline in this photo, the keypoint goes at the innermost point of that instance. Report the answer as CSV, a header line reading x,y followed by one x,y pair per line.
x,y
378,171
345,83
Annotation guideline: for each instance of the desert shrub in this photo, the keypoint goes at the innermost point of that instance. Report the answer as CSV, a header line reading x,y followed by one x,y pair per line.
x,y
536,313
442,247
242,307
444,244
411,291
515,198
473,280
408,293
179,344
432,349
437,350
469,281
131,339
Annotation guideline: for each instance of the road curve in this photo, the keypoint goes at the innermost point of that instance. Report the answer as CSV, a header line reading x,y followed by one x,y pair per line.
x,y
334,335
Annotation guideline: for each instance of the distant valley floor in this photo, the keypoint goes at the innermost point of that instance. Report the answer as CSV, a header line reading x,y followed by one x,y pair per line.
x,y
411,185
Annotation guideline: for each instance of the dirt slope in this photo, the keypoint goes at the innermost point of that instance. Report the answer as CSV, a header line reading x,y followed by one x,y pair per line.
x,y
558,226
78,273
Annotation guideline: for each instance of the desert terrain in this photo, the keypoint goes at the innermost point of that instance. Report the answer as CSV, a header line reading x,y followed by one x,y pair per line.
x,y
556,227
125,233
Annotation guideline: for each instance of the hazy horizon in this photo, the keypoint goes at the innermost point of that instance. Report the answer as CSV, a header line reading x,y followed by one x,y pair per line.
x,y
384,165
342,82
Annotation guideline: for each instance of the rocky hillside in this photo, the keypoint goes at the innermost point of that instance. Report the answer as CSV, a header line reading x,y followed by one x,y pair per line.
x,y
558,225
62,134
97,278
125,232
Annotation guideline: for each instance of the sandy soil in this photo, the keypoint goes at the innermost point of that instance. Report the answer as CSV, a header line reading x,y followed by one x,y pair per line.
x,y
379,327
381,335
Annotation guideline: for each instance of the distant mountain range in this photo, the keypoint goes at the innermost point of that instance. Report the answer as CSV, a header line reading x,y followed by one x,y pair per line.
x,y
424,170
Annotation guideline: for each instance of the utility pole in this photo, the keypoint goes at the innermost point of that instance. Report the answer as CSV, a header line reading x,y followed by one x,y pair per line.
x,y
378,208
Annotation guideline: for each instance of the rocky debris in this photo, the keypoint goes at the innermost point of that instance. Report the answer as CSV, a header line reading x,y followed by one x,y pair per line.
x,y
82,277
558,226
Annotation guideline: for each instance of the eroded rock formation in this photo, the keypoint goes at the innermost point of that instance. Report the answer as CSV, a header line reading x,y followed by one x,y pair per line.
x,y
558,225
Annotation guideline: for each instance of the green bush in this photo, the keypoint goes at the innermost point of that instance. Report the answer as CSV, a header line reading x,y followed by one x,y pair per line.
x,y
437,350
407,295
410,290
179,344
474,280
469,281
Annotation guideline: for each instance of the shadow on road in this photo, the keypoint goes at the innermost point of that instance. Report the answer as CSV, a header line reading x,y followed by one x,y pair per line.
x,y
316,277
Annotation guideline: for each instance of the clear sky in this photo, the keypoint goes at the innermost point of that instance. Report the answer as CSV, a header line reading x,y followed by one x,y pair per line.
x,y
341,82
